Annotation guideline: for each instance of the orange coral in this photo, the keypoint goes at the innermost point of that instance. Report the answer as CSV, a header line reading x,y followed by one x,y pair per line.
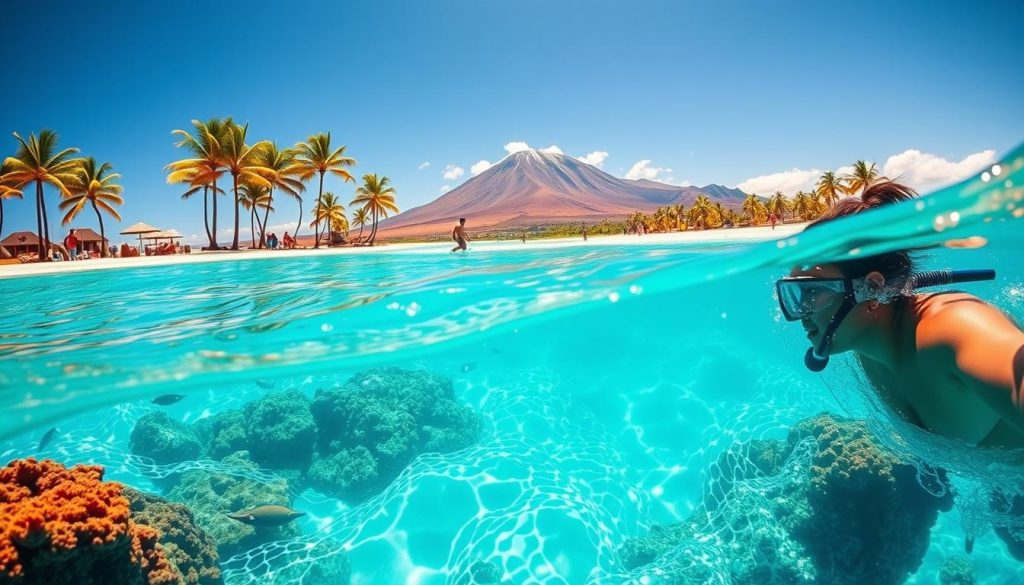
x,y
66,525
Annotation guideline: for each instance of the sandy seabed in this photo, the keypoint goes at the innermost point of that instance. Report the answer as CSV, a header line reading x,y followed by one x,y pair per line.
x,y
718,235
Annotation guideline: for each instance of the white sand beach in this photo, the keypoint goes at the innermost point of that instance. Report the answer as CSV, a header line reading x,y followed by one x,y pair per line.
x,y
749,234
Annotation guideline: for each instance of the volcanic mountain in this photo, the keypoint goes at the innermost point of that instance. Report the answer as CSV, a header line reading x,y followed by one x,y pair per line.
x,y
531,187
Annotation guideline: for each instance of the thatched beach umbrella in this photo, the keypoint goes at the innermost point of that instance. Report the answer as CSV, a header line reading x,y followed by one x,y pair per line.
x,y
139,229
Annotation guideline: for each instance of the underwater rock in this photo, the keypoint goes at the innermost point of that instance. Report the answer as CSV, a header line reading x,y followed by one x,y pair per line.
x,y
66,526
389,416
226,433
957,571
808,510
280,430
164,440
192,552
212,495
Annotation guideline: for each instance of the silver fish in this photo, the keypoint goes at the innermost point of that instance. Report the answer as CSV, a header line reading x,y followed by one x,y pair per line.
x,y
50,434
167,399
266,516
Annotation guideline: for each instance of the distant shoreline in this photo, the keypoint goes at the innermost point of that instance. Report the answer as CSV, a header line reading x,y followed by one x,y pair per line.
x,y
743,234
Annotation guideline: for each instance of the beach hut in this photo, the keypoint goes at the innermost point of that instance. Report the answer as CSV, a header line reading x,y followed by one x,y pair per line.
x,y
89,241
138,229
23,243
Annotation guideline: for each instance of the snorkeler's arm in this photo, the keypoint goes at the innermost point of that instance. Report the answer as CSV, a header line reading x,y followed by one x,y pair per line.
x,y
988,350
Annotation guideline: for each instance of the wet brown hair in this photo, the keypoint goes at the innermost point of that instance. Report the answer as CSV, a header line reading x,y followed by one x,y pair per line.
x,y
895,264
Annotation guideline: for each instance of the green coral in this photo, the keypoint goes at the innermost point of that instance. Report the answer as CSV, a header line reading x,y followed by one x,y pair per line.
x,y
280,430
389,416
957,571
808,510
211,495
188,548
164,440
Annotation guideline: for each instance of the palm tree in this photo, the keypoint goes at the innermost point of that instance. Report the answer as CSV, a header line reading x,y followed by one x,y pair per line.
x,y
206,203
361,218
805,205
7,191
702,212
679,214
829,187
205,167
329,210
862,177
378,196
285,169
94,186
777,204
315,157
754,208
241,160
253,197
721,212
38,159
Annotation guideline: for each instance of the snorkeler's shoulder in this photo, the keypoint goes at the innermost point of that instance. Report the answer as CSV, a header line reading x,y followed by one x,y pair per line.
x,y
959,319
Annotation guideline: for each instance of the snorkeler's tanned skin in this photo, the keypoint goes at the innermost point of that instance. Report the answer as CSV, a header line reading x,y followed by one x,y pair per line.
x,y
950,363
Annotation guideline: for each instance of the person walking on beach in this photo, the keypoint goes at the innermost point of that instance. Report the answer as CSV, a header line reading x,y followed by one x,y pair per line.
x,y
460,236
773,219
71,243
584,232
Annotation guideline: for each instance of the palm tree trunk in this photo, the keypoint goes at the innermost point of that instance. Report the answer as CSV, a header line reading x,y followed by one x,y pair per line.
x,y
316,214
373,233
252,225
39,219
234,180
103,234
1,219
213,237
298,225
360,236
206,217
266,217
46,221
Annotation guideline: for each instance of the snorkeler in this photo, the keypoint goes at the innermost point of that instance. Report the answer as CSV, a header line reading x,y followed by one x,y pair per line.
x,y
460,236
945,361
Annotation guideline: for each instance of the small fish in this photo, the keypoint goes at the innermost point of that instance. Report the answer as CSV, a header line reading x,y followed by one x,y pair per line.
x,y
969,544
269,385
50,434
167,399
266,516
468,367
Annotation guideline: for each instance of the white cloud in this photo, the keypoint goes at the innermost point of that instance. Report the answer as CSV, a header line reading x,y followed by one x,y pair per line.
x,y
445,188
788,182
552,150
595,158
920,170
452,172
425,164
480,166
926,171
642,169
516,146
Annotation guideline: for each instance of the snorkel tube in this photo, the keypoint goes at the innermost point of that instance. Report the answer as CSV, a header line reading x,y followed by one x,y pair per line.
x,y
816,358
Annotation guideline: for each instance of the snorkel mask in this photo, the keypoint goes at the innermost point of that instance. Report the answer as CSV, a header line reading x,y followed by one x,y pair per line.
x,y
801,296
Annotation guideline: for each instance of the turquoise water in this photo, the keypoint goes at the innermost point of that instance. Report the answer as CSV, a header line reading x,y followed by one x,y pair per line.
x,y
607,382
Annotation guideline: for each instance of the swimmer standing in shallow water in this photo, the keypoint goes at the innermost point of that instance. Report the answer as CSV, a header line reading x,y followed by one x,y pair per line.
x,y
947,362
460,236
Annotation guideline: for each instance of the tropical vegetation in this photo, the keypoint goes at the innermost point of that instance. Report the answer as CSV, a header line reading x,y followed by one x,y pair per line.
x,y
377,196
94,186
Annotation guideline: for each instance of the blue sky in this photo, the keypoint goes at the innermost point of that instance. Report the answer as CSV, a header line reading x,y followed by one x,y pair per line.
x,y
752,94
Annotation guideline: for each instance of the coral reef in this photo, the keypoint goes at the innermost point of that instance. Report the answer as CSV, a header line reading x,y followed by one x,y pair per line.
x,y
281,432
373,425
186,546
212,495
808,510
164,440
63,525
957,571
